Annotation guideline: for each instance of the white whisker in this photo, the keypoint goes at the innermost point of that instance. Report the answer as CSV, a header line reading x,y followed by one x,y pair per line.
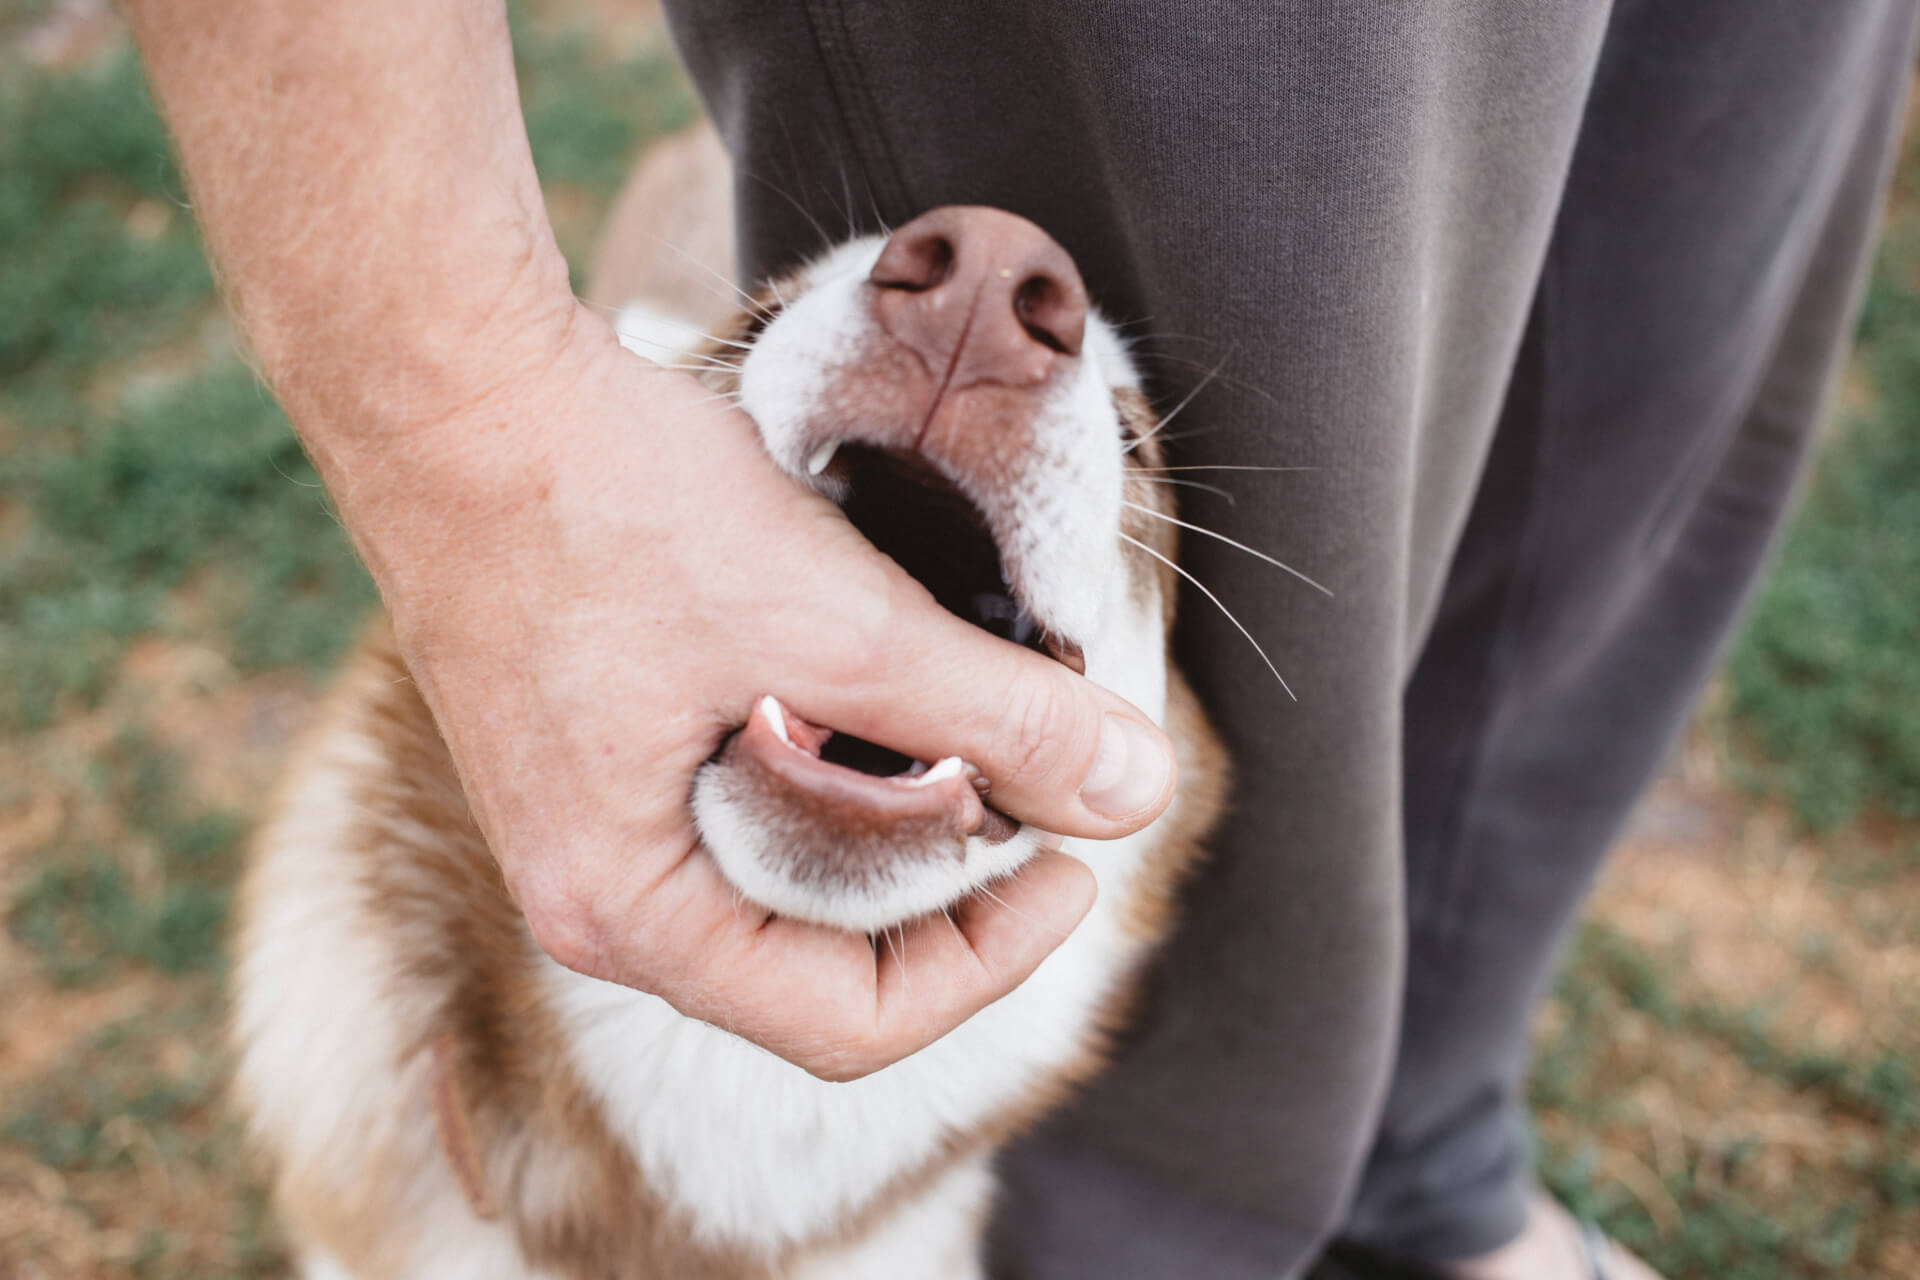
x,y
1189,484
731,397
1218,605
726,359
752,303
899,956
1177,435
1241,546
705,366
826,241
846,198
720,362
1240,383
1015,911
1157,433
1211,466
1167,421
651,342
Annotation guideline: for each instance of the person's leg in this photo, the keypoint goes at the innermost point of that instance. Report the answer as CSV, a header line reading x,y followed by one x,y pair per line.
x,y
1694,305
1343,206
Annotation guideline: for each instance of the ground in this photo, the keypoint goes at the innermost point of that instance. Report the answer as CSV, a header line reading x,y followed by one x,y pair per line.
x,y
1726,1074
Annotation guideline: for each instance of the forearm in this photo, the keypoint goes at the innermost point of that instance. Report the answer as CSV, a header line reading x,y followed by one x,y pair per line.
x,y
361,174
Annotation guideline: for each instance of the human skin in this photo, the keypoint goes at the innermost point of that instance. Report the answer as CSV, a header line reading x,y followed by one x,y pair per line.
x,y
592,568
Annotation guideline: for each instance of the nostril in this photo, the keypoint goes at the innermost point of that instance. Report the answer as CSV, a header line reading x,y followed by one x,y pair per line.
x,y
980,295
1052,315
914,262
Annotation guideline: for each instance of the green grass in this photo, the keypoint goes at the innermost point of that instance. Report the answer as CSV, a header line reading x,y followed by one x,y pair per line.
x,y
179,474
148,485
1882,1087
587,113
140,1105
88,917
191,477
201,481
1826,677
1737,1224
77,288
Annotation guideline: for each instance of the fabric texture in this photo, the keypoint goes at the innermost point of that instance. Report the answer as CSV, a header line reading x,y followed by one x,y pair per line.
x,y
1543,297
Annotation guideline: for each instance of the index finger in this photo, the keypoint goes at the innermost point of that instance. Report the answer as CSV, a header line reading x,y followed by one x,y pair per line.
x,y
838,1004
1058,750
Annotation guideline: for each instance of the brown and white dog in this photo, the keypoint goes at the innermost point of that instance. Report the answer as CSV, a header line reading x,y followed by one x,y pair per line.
x,y
441,1099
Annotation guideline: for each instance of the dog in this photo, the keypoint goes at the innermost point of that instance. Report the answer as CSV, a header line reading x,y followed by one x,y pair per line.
x,y
438,1098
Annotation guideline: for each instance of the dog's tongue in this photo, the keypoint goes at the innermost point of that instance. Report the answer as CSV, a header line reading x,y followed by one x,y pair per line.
x,y
785,751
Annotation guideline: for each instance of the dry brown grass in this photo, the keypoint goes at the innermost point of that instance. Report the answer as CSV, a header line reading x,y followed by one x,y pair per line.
x,y
1720,1073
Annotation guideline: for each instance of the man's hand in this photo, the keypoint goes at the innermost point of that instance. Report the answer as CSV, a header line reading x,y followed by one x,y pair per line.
x,y
592,568
589,630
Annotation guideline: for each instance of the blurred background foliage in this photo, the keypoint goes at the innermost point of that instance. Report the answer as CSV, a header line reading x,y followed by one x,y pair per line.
x,y
1826,677
1726,1074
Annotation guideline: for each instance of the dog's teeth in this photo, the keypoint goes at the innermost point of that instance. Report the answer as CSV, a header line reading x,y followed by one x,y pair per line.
x,y
821,457
940,772
915,769
770,708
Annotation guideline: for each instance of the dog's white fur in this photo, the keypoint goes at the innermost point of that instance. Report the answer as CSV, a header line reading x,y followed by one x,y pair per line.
x,y
1062,557
749,1150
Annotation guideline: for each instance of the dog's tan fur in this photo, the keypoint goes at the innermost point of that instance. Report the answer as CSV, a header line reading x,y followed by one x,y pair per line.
x,y
488,1112
466,959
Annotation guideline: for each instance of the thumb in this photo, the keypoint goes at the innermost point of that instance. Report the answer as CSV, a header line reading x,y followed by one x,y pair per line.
x,y
1057,750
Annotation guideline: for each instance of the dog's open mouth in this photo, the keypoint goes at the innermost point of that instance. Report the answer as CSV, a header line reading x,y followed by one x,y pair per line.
x,y
919,518
913,514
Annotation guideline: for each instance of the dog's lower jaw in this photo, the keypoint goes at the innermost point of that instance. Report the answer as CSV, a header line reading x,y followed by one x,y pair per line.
x,y
870,885
753,1167
752,1149
417,1065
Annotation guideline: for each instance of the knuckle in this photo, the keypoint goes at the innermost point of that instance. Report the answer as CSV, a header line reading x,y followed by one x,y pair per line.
x,y
565,927
835,1038
842,1068
869,615
871,640
1034,738
840,1059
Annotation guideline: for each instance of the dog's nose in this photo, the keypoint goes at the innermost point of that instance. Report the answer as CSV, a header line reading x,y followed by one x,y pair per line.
x,y
981,295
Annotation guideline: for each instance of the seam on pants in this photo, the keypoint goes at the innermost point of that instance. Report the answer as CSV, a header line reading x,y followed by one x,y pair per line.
x,y
1448,879
832,39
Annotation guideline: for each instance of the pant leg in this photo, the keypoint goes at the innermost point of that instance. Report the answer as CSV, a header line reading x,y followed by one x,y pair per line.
x,y
1694,306
1343,206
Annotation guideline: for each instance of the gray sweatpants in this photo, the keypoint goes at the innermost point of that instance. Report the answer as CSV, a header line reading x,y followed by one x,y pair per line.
x,y
1546,295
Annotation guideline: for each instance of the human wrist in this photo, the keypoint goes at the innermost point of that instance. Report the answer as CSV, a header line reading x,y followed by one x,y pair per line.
x,y
450,489
377,221
424,348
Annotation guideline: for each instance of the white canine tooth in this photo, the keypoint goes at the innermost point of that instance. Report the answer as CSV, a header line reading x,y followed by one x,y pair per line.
x,y
821,457
915,769
940,772
770,708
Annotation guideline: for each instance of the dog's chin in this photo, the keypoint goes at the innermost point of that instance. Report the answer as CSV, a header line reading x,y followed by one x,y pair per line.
x,y
996,482
855,851
826,827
